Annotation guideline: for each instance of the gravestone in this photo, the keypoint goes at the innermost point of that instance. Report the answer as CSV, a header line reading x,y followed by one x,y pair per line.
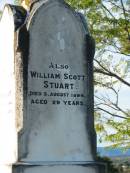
x,y
7,96
10,21
56,87
53,94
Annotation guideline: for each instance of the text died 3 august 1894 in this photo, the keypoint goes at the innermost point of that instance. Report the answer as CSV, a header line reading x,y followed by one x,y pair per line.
x,y
57,87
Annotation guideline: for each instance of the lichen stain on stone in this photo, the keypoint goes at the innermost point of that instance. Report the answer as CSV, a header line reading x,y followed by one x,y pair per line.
x,y
21,64
61,41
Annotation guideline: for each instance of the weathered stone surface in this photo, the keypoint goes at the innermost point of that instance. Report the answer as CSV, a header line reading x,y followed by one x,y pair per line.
x,y
8,135
55,169
9,23
48,89
58,120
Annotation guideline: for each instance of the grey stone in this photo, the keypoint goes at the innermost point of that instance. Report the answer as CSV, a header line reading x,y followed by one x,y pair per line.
x,y
58,123
57,169
50,90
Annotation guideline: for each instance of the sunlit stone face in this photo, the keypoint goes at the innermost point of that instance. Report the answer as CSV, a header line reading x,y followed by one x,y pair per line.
x,y
8,146
55,115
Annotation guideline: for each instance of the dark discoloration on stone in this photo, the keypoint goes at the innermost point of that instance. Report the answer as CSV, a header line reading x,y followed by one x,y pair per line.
x,y
21,52
49,169
86,48
21,66
19,14
90,51
84,22
33,124
18,168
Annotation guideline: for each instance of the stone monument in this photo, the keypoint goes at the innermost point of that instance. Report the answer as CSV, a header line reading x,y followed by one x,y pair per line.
x,y
52,75
11,20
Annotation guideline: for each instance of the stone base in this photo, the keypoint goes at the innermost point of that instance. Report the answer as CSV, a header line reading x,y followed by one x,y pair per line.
x,y
57,169
5,168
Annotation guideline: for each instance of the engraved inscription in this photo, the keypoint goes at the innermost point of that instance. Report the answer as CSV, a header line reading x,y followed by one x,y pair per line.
x,y
57,88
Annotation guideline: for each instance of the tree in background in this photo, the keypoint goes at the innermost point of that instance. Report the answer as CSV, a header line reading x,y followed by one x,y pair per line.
x,y
111,168
109,23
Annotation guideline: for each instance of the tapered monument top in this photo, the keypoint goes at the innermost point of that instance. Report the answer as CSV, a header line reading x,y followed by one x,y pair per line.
x,y
36,7
57,90
49,79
